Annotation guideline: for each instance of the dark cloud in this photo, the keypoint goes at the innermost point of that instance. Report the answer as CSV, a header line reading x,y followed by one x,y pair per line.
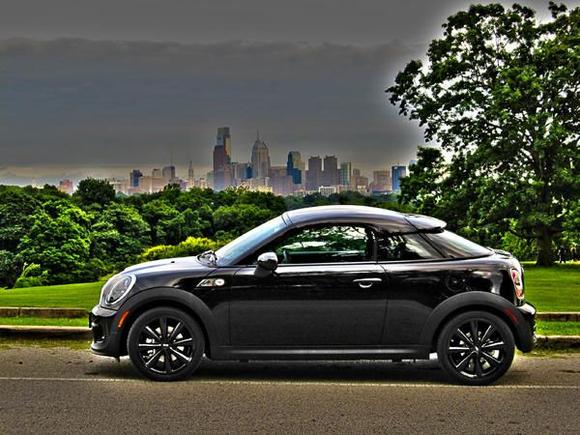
x,y
74,101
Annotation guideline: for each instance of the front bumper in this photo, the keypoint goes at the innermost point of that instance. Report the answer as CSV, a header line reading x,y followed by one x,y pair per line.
x,y
526,327
106,333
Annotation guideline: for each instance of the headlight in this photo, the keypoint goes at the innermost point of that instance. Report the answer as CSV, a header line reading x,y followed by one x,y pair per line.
x,y
117,288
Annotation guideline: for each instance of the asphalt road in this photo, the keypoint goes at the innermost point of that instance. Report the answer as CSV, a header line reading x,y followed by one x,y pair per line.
x,y
61,390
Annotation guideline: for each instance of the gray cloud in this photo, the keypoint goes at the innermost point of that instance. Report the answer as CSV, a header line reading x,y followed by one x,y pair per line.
x,y
76,101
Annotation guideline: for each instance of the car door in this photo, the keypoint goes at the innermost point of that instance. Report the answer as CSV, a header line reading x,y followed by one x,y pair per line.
x,y
326,291
416,273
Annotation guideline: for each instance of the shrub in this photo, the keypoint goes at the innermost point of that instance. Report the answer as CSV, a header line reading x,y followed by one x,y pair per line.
x,y
191,246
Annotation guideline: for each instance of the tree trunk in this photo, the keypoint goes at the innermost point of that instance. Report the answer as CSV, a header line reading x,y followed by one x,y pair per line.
x,y
544,243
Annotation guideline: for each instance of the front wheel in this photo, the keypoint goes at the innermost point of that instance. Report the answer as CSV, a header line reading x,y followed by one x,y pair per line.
x,y
476,348
165,344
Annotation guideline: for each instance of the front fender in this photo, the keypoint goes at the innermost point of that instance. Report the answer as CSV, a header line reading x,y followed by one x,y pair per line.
x,y
519,319
151,298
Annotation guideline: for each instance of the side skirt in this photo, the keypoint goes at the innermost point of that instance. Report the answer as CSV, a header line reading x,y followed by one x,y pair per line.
x,y
295,353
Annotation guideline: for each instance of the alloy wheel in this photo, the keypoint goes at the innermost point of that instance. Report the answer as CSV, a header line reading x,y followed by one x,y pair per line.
x,y
476,349
166,345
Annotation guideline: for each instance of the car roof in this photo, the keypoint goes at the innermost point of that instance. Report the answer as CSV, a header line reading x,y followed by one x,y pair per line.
x,y
388,220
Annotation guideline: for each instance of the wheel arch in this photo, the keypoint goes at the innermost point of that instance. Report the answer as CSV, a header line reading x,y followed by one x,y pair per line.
x,y
472,301
168,297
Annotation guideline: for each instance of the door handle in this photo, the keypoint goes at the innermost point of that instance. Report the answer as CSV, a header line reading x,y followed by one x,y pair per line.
x,y
366,282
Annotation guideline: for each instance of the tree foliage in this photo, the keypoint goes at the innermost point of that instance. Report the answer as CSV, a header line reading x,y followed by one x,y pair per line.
x,y
500,92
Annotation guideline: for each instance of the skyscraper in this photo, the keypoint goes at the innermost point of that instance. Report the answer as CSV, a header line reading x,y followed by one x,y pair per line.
x,y
345,173
222,171
381,182
225,139
260,159
398,173
134,177
330,172
314,173
295,166
168,173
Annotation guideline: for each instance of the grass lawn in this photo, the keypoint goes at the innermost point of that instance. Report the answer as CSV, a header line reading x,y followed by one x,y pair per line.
x,y
551,328
41,321
553,288
84,295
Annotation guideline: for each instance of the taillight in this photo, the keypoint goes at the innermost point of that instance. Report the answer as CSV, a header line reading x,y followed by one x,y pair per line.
x,y
518,283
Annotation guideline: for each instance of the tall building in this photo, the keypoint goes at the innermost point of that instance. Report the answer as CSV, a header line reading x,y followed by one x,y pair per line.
x,y
156,173
241,172
281,182
398,173
260,159
225,139
295,166
314,173
330,172
222,171
359,182
381,182
345,173
134,177
168,173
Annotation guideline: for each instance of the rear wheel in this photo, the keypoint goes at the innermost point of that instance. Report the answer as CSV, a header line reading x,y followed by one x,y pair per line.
x,y
165,344
476,348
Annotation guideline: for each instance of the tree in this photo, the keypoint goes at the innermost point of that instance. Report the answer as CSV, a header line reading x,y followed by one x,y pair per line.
x,y
500,93
59,242
91,191
119,235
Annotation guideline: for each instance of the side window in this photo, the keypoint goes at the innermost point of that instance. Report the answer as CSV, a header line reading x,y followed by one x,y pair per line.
x,y
401,247
325,244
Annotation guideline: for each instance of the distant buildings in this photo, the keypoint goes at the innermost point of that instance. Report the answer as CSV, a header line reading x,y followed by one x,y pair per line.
x,y
398,173
295,167
260,159
321,175
345,174
314,173
381,182
330,171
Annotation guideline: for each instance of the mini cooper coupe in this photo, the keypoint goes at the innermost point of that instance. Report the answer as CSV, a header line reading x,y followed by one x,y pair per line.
x,y
332,282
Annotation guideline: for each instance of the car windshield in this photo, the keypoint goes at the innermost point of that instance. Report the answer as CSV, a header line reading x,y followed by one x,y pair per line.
x,y
454,246
246,242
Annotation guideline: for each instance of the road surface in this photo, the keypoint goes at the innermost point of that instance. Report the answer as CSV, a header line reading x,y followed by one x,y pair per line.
x,y
71,391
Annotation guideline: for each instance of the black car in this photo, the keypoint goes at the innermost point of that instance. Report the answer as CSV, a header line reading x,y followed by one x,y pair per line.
x,y
333,282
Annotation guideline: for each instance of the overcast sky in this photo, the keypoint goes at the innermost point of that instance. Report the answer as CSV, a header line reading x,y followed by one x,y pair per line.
x,y
89,86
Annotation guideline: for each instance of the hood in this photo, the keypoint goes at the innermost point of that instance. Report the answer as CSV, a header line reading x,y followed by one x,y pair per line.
x,y
179,263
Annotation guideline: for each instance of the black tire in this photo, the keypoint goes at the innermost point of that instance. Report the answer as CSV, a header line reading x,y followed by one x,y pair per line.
x,y
165,344
478,362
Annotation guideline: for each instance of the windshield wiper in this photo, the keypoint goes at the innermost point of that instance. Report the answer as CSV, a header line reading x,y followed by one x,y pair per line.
x,y
209,255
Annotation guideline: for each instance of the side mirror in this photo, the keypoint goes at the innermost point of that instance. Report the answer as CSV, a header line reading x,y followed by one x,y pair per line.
x,y
267,263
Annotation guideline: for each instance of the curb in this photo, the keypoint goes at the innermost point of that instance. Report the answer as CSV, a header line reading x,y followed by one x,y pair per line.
x,y
49,313
569,316
558,342
54,332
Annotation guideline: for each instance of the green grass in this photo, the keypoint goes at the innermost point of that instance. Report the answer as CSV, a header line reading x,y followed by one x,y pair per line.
x,y
41,321
553,288
84,295
553,328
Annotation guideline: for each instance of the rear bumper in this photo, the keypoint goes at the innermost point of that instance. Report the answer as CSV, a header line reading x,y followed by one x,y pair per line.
x,y
525,324
106,335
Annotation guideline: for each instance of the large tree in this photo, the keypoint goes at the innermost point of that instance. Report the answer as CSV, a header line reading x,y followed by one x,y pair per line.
x,y
500,93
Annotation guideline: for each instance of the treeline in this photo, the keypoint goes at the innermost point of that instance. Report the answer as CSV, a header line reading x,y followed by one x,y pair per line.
x,y
48,237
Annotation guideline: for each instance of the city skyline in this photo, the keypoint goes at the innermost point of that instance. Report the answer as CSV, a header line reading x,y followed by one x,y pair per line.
x,y
298,176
